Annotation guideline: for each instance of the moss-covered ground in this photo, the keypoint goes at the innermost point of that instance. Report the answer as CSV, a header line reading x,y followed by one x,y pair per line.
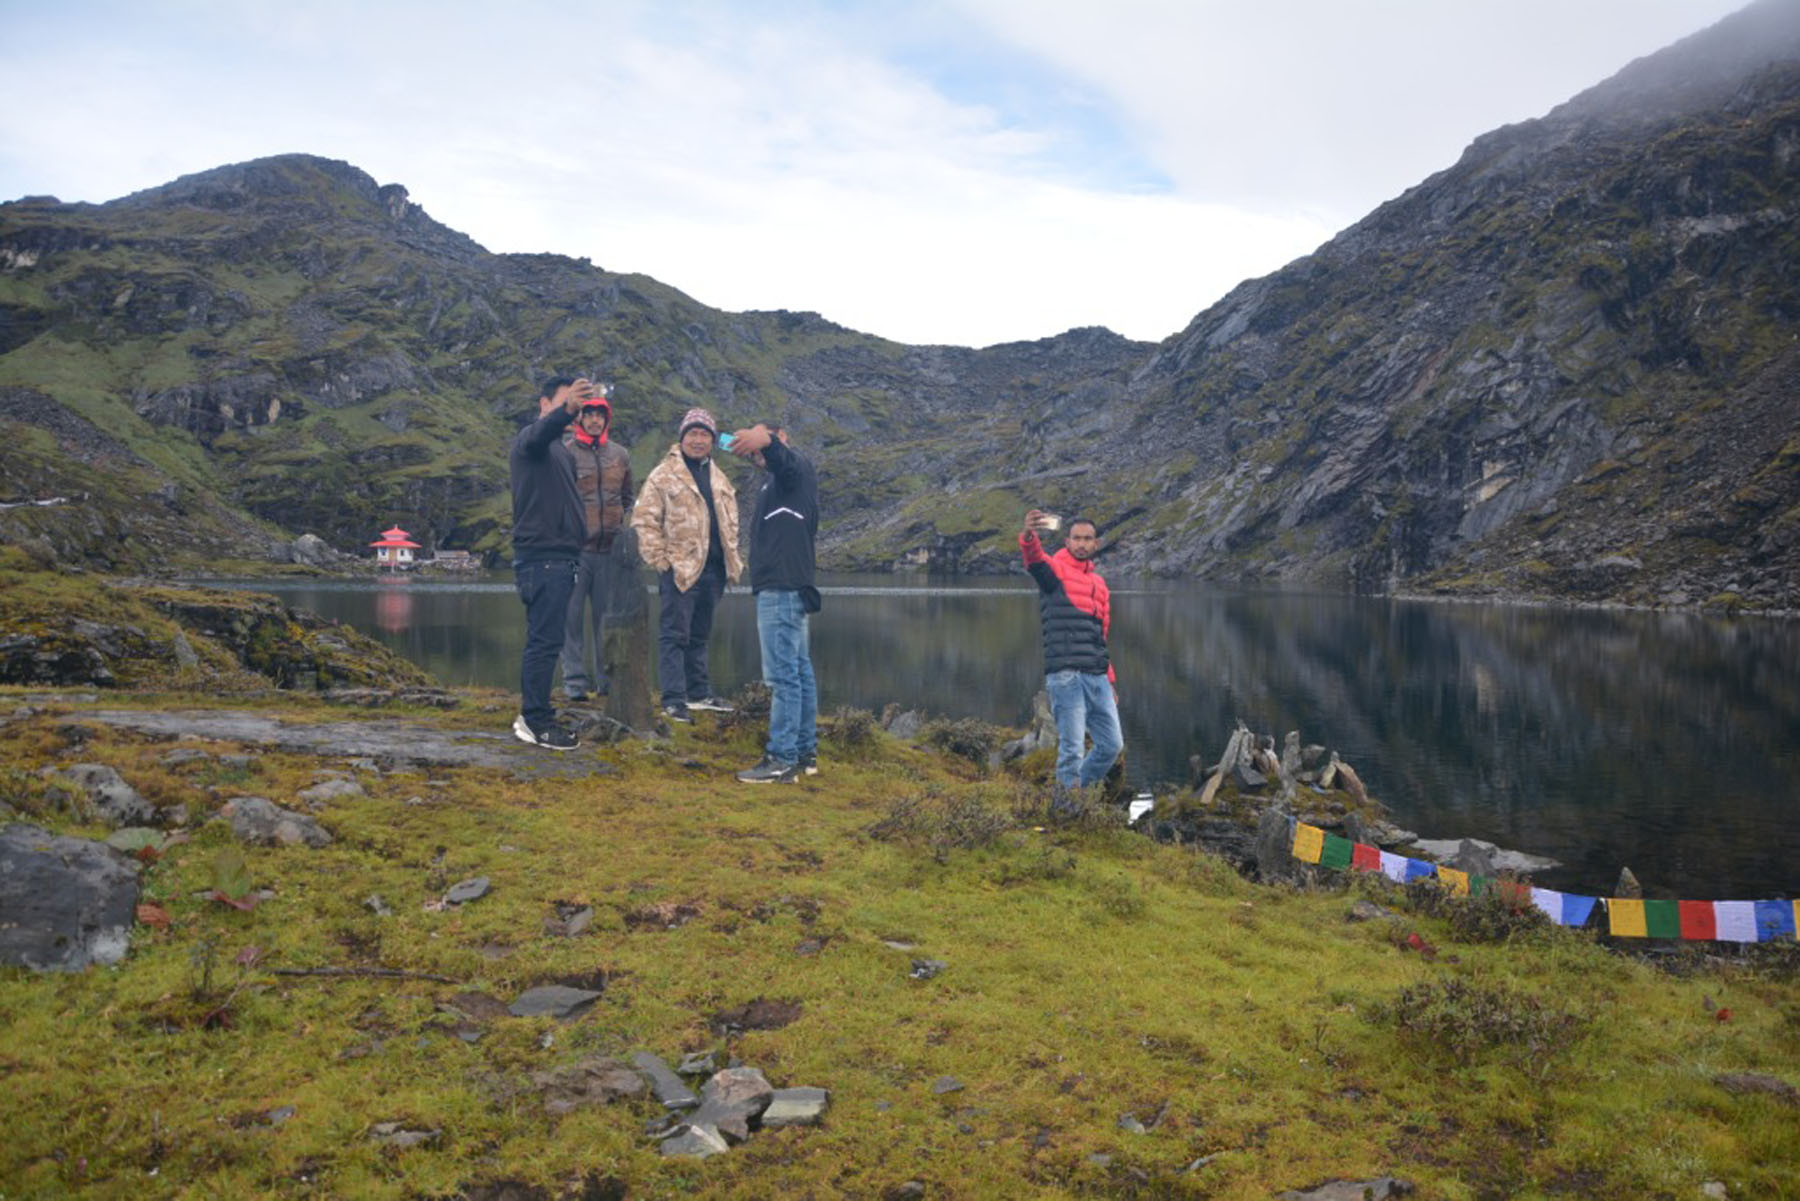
x,y
1261,1040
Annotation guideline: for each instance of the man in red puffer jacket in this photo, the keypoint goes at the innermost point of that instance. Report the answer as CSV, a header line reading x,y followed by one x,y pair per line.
x,y
603,478
1076,609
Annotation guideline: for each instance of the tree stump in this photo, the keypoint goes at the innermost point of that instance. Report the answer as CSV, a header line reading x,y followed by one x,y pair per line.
x,y
627,643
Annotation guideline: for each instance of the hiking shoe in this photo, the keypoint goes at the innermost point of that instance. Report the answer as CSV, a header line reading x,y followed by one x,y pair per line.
x,y
552,737
770,771
677,713
713,704
809,764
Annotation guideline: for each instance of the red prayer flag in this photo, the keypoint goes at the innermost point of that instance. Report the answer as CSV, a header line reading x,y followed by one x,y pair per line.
x,y
1697,920
1365,858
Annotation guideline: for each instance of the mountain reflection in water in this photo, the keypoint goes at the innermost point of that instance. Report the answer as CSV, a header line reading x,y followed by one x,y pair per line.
x,y
1666,742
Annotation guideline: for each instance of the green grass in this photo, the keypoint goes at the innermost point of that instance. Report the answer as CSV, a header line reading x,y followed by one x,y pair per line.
x,y
1092,974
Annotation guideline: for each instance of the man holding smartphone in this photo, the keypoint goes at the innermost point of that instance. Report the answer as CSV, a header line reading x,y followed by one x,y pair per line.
x,y
1075,608
548,530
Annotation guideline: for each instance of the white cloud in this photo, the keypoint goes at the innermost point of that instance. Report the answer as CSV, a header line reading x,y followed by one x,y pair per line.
x,y
968,172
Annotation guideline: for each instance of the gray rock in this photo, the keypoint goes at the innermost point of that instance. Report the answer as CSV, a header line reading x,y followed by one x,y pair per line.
x,y
374,904
667,1086
1369,911
906,725
182,756
1130,1125
1275,847
467,890
596,1080
551,1000
912,1190
698,1063
731,1100
330,790
697,1142
1380,1189
394,1134
261,822
1628,885
795,1107
925,969
310,550
1487,858
113,800
946,1084
64,902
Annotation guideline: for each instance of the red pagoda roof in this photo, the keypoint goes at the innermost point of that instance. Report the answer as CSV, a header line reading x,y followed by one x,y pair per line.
x,y
394,538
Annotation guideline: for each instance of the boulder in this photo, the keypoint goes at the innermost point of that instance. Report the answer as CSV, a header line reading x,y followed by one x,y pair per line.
x,y
113,800
64,902
261,822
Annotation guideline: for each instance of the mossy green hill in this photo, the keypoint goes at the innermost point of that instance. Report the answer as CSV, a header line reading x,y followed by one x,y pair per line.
x,y
1562,367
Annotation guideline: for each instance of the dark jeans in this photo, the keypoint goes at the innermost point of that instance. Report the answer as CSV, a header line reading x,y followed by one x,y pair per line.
x,y
544,587
592,578
685,625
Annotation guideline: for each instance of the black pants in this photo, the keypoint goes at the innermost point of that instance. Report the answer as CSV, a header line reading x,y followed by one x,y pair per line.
x,y
686,624
544,587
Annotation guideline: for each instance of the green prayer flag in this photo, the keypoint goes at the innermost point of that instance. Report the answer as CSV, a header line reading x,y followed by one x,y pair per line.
x,y
1338,852
1662,919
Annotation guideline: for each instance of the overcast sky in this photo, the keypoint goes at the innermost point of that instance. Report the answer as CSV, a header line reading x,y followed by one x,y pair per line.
x,y
950,171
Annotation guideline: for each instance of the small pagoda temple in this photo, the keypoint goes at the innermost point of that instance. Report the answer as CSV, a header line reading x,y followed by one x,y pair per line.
x,y
395,550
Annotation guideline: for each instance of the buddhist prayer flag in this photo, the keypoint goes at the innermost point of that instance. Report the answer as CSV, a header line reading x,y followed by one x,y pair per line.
x,y
1626,917
1565,909
1734,921
1774,919
1697,920
1662,919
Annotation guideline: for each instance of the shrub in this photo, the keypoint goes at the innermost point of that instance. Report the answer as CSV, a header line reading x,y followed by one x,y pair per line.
x,y
1496,915
941,824
852,728
968,737
1463,1022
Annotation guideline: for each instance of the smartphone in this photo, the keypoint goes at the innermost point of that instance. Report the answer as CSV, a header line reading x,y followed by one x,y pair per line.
x,y
725,441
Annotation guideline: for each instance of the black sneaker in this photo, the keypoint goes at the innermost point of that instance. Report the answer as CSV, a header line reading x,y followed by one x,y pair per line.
x,y
677,713
713,704
770,771
552,737
809,764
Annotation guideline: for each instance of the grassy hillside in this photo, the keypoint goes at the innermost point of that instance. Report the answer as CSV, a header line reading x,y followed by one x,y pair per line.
x,y
1112,1017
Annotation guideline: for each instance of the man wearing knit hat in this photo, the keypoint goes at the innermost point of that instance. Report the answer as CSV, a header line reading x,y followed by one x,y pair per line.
x,y
686,520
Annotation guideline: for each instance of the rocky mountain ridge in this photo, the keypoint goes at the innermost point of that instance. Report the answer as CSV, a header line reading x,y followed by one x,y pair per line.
x,y
1564,367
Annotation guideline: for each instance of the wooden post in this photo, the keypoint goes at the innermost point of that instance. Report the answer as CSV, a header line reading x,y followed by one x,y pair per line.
x,y
627,644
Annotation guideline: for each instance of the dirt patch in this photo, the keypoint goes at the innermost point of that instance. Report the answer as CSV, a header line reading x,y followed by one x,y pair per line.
x,y
663,915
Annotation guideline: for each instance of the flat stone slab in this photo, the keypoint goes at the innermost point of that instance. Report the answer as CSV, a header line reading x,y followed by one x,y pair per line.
x,y
383,739
795,1107
64,902
551,1000
667,1086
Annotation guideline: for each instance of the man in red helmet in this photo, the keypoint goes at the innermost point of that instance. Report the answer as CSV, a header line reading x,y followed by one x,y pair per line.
x,y
603,478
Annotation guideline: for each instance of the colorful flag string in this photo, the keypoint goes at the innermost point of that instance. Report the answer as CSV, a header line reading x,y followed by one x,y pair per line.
x,y
1626,917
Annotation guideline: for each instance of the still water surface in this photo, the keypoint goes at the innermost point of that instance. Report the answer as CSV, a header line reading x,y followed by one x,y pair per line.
x,y
1666,742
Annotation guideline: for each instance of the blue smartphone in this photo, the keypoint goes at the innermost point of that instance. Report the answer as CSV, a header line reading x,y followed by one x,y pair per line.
x,y
725,441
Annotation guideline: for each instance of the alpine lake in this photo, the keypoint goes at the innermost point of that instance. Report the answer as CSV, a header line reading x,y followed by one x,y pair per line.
x,y
1666,742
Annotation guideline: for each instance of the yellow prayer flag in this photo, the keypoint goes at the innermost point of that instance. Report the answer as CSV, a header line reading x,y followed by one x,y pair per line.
x,y
1309,842
1626,918
1457,882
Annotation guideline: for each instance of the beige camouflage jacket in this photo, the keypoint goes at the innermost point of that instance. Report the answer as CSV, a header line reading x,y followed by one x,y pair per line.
x,y
670,520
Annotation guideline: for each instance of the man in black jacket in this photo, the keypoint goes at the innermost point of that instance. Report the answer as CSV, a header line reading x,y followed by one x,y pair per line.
x,y
781,575
548,529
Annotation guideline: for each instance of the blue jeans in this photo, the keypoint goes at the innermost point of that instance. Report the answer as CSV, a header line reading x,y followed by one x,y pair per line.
x,y
683,630
782,628
592,579
545,588
1083,704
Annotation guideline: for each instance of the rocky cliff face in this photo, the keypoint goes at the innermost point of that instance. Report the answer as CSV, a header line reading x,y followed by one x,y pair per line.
x,y
1566,366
